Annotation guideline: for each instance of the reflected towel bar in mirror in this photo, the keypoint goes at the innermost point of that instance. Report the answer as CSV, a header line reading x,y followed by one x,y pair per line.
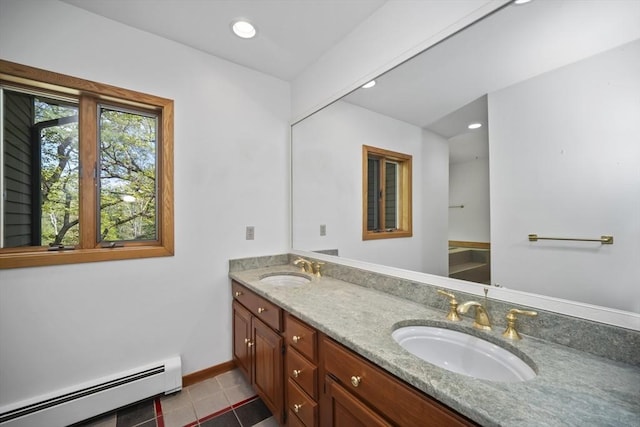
x,y
605,240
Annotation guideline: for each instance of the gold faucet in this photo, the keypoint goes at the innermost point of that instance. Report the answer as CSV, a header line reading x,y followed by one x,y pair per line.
x,y
482,317
511,317
306,267
453,305
310,267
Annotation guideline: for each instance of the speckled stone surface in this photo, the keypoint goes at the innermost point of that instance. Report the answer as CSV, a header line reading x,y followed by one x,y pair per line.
x,y
612,342
572,388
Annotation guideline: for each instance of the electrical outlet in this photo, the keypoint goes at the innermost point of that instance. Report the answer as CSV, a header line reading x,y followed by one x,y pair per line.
x,y
323,229
251,232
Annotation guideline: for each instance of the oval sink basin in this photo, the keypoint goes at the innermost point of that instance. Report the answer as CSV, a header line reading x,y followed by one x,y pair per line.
x,y
462,353
285,279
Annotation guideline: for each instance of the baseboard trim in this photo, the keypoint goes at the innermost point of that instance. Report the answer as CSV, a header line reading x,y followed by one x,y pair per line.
x,y
210,372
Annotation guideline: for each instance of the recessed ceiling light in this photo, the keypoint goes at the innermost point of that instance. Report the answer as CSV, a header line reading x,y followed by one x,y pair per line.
x,y
521,1
372,83
475,125
243,29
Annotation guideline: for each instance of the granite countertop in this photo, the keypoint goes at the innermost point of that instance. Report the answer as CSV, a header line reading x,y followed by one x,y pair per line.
x,y
572,388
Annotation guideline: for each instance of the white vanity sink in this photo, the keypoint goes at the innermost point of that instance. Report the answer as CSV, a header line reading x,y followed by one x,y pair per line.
x,y
462,353
285,279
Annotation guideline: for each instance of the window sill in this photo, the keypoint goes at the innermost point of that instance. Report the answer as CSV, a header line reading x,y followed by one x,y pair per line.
x,y
369,235
44,257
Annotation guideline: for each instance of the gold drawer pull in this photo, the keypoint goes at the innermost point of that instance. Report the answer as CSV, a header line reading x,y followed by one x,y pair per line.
x,y
296,339
261,309
237,294
296,372
296,408
355,381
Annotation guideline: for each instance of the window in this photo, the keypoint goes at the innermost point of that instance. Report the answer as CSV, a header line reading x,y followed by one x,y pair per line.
x,y
86,170
386,194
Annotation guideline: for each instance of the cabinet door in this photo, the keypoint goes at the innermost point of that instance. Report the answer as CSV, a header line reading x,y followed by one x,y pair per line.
x,y
242,344
347,411
268,376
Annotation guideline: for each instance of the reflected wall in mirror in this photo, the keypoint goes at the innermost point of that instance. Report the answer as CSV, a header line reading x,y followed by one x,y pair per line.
x,y
555,86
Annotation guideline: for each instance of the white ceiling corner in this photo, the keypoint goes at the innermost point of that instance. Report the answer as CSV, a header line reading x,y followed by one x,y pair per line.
x,y
292,34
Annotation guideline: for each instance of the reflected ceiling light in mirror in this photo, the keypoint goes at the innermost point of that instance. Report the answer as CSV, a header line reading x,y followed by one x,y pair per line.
x,y
243,29
371,84
475,125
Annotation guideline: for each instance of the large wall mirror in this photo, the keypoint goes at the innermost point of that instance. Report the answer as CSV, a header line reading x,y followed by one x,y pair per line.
x,y
556,88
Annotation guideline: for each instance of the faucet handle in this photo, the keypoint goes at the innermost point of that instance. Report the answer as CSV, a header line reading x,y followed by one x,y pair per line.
x,y
315,267
511,331
453,306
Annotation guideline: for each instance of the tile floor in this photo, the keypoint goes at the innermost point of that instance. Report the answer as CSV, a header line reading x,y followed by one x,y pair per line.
x,y
224,401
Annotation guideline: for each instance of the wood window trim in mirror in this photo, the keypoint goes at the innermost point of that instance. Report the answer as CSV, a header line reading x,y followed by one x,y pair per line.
x,y
89,95
404,220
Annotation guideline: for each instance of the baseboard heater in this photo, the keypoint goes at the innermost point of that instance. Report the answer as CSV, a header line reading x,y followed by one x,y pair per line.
x,y
86,400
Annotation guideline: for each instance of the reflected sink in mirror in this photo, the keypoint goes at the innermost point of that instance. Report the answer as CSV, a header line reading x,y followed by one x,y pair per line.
x,y
285,279
463,353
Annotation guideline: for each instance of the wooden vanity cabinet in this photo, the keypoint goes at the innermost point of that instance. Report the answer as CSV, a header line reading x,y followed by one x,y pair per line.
x,y
258,346
355,388
301,372
317,381
345,410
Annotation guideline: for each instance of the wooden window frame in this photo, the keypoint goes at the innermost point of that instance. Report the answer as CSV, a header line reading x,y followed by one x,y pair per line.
x,y
89,95
405,228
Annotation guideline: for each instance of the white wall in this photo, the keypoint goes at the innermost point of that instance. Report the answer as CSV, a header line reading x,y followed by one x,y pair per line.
x,y
66,324
394,33
571,157
327,175
435,199
469,186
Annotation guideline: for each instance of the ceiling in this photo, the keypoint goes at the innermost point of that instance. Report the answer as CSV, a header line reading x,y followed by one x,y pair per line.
x,y
444,88
292,34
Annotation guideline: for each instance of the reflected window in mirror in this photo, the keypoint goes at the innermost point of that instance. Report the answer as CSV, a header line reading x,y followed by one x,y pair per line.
x,y
386,196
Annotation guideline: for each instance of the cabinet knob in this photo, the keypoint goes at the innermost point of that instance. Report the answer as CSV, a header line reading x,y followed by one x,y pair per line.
x,y
355,381
249,344
237,294
296,372
296,339
246,340
261,309
296,408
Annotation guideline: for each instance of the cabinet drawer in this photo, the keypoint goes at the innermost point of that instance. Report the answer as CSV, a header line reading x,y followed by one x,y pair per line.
x,y
301,337
264,310
303,407
302,372
293,420
399,403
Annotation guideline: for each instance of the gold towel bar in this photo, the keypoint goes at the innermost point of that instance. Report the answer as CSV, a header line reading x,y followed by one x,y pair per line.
x,y
605,240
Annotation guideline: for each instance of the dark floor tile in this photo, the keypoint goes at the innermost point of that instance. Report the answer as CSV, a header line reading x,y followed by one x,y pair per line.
x,y
136,414
252,413
94,421
228,419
